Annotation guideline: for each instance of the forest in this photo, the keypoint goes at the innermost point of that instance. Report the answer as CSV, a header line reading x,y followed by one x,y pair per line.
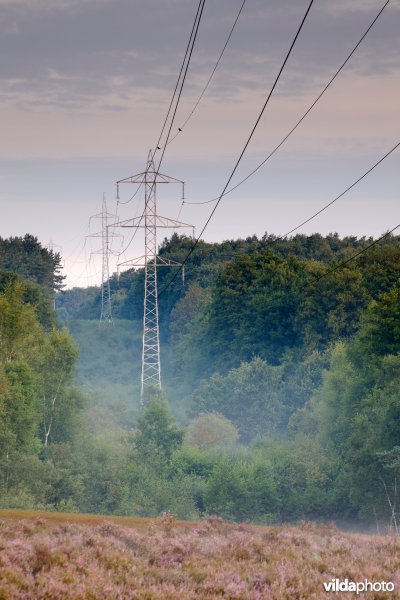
x,y
281,394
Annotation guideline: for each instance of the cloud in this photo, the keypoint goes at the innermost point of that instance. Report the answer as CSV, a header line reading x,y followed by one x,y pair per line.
x,y
83,49
101,68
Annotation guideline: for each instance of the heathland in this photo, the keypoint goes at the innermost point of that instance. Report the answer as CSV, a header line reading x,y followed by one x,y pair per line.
x,y
164,559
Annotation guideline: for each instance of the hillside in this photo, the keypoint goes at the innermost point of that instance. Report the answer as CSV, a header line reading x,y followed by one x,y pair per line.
x,y
165,560
280,396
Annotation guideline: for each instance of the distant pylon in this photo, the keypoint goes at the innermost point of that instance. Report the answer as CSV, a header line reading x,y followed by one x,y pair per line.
x,y
150,221
106,310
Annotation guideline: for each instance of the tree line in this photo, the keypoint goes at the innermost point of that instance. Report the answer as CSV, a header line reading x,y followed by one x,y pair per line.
x,y
281,396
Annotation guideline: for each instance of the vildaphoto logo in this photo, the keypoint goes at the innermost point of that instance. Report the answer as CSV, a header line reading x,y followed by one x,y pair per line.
x,y
338,585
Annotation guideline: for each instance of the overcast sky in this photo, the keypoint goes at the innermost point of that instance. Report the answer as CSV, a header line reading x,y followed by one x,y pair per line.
x,y
85,86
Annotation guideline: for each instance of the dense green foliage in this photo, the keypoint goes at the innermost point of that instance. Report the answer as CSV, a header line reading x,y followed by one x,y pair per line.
x,y
281,396
27,258
37,406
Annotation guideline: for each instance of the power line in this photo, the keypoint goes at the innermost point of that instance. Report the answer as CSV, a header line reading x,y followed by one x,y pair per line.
x,y
271,154
151,369
245,146
285,235
131,198
345,262
199,7
198,17
180,130
117,218
340,195
135,230
184,69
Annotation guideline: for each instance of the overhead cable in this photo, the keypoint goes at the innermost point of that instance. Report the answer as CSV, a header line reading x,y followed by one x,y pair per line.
x,y
271,154
187,52
193,40
340,195
244,148
347,260
181,79
181,128
285,235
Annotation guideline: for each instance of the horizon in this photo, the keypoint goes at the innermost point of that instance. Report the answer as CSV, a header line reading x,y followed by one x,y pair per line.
x,y
86,87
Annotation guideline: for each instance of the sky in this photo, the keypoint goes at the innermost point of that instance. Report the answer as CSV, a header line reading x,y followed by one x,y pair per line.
x,y
85,86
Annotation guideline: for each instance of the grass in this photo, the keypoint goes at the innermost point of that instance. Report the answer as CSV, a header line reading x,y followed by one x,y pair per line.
x,y
82,557
57,518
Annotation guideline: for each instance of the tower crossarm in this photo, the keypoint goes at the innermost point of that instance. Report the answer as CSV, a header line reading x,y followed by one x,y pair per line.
x,y
140,261
101,234
162,222
103,215
110,251
153,176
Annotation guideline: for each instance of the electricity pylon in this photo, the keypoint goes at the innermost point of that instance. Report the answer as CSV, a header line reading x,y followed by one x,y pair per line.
x,y
150,221
106,312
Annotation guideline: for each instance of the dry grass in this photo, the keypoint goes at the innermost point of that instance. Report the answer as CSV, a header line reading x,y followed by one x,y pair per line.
x,y
54,518
85,557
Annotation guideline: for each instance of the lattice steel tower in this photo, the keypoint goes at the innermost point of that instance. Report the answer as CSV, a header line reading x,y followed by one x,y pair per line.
x,y
150,221
106,312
